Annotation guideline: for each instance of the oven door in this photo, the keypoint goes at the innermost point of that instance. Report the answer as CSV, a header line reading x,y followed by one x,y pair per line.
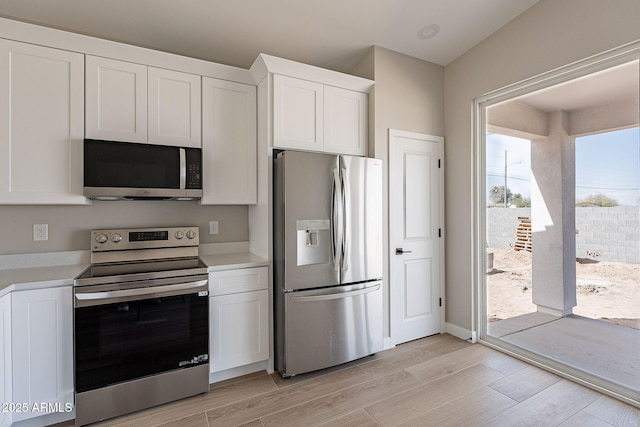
x,y
126,332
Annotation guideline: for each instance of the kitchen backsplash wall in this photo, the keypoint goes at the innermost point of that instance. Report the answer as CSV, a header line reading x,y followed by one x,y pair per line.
x,y
69,226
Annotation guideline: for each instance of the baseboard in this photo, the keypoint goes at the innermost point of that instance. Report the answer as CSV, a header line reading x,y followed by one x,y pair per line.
x,y
462,333
215,377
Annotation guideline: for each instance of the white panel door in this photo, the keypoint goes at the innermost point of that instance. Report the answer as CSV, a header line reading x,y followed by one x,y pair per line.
x,y
42,347
174,108
239,329
41,125
297,114
116,100
345,121
415,224
229,141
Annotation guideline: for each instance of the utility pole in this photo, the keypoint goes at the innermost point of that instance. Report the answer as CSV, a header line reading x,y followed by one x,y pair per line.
x,y
505,178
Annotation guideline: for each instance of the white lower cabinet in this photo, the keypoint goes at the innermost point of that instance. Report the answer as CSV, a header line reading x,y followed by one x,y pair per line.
x,y
239,321
5,359
42,351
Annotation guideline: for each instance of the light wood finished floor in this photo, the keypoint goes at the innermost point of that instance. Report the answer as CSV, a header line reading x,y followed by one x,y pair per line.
x,y
435,381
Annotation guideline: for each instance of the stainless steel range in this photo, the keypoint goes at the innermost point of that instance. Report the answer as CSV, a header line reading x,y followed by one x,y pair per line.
x,y
141,322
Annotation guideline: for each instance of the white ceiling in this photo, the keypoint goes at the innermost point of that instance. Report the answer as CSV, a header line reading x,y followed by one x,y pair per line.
x,y
332,34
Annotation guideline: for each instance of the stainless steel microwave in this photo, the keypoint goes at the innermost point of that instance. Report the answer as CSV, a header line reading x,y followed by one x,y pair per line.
x,y
123,170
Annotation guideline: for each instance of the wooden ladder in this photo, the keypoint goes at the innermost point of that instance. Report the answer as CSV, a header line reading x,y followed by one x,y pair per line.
x,y
523,234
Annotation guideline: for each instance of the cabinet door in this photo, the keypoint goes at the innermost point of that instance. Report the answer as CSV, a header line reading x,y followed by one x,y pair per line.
x,y
42,348
5,357
116,97
297,113
41,117
239,329
174,108
229,143
345,121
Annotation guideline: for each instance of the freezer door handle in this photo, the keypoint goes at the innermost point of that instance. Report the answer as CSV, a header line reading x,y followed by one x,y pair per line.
x,y
337,295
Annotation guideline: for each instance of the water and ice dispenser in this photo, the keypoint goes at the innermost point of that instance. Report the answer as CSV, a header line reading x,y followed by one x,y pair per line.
x,y
314,242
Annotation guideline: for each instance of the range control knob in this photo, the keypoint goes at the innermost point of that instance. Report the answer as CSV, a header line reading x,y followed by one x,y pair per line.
x,y
115,238
101,238
191,234
179,235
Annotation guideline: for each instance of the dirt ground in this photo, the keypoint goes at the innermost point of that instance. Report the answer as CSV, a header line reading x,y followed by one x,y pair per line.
x,y
605,290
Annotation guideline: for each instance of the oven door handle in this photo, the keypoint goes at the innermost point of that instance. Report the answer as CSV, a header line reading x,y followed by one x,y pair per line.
x,y
148,292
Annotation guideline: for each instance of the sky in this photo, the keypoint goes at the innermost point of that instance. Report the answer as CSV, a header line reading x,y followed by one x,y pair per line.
x,y
607,163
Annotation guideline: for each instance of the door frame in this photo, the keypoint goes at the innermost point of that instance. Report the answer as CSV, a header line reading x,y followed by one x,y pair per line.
x,y
439,140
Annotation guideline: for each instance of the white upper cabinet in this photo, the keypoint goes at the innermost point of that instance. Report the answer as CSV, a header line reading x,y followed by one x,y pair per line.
x,y
317,117
116,97
297,114
135,103
174,108
42,123
229,142
345,121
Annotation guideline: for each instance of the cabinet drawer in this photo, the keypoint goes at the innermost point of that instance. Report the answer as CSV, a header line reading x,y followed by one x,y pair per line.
x,y
241,280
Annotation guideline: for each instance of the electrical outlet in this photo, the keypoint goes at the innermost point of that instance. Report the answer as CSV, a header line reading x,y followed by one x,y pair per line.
x,y
40,232
213,227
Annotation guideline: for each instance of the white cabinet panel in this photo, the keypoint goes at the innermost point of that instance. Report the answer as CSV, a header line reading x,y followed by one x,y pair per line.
x,y
42,348
174,108
116,97
239,329
41,112
316,117
229,142
297,113
241,280
345,121
5,357
135,103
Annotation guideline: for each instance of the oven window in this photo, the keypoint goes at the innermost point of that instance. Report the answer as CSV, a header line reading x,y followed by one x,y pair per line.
x,y
129,340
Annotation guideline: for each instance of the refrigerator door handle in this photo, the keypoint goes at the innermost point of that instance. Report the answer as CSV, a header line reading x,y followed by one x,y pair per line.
x,y
346,208
336,220
336,295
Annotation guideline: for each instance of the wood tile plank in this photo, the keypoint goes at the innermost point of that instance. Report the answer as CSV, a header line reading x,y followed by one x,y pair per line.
x,y
197,420
552,406
342,402
257,407
614,412
468,410
410,404
584,419
359,418
525,383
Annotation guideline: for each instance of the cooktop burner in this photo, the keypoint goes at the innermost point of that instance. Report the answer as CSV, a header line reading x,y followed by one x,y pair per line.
x,y
126,268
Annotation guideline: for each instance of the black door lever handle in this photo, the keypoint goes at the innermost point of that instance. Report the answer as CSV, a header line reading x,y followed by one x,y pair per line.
x,y
400,251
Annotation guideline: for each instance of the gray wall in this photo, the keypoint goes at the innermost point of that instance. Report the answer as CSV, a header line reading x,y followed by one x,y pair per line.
x,y
69,226
551,34
603,234
408,95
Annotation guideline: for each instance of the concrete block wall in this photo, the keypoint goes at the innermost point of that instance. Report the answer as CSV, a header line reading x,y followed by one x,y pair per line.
x,y
603,234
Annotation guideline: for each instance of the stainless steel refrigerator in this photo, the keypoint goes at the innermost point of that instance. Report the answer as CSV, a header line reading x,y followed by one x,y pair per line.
x,y
327,260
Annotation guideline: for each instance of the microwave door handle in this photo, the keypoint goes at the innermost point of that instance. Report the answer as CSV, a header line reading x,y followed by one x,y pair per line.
x,y
183,168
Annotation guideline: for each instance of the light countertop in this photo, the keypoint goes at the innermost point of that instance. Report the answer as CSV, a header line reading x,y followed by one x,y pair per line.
x,y
21,279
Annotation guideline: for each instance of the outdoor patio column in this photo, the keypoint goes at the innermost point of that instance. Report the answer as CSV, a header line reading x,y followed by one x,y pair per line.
x,y
553,219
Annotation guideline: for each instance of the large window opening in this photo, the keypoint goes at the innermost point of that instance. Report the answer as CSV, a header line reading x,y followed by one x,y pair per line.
x,y
607,227
557,270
